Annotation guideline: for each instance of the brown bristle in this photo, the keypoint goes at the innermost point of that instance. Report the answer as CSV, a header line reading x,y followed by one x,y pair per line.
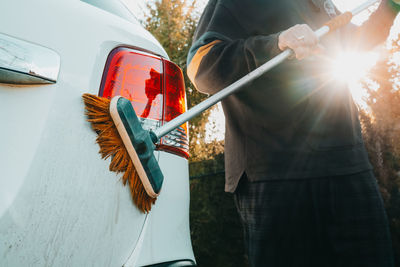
x,y
111,145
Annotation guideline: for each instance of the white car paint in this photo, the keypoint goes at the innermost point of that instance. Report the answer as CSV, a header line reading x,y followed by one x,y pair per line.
x,y
59,204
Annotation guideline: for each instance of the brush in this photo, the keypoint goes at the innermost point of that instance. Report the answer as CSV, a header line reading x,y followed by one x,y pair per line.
x,y
113,146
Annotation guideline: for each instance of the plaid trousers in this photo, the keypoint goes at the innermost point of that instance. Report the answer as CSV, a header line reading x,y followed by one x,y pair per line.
x,y
326,222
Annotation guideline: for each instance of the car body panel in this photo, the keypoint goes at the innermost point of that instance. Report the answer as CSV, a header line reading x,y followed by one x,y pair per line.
x,y
59,203
176,235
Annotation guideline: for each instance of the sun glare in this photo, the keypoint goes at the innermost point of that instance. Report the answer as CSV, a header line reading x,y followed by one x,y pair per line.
x,y
351,68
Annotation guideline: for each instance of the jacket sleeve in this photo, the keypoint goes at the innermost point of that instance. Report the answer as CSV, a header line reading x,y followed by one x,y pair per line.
x,y
374,31
223,52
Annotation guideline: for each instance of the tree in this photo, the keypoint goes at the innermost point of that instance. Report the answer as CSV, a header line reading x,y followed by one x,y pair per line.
x,y
381,131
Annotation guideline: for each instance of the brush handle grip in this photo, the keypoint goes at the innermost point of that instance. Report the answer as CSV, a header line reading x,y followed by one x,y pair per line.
x,y
212,100
138,143
339,21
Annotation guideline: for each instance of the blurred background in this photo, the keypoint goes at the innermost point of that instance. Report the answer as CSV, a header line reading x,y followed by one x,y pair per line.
x,y
373,78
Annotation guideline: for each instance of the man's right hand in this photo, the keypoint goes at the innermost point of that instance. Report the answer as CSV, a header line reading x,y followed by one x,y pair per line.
x,y
301,39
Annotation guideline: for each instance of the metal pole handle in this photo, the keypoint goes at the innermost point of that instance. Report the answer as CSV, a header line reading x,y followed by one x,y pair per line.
x,y
330,26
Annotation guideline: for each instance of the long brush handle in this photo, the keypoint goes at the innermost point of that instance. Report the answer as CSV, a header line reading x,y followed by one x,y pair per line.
x,y
330,26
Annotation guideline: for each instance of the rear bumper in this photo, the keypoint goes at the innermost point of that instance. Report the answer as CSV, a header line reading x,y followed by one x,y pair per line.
x,y
167,237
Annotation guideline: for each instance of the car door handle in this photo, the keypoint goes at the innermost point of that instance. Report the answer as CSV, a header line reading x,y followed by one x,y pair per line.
x,y
22,62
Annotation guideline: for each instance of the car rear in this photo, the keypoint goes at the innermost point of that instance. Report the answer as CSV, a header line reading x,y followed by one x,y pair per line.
x,y
60,206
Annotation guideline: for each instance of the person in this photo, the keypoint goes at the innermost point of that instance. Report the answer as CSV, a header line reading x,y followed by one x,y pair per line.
x,y
294,155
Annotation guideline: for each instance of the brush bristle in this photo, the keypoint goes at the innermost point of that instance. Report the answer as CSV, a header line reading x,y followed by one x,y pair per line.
x,y
111,145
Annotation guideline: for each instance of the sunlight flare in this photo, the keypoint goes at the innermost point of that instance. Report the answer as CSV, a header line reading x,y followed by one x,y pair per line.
x,y
352,66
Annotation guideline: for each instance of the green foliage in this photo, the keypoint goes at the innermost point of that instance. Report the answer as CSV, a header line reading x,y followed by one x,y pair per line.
x,y
217,235
172,22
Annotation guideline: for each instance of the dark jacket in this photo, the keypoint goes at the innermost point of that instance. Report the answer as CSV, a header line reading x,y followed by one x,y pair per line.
x,y
294,121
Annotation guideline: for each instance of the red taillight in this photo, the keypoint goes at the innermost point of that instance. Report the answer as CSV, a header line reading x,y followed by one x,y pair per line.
x,y
156,88
136,77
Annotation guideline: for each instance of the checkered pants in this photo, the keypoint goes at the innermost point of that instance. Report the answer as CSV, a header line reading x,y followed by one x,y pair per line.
x,y
325,222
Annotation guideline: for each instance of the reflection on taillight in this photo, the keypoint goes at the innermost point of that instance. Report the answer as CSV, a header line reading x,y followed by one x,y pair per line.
x,y
155,86
175,104
136,77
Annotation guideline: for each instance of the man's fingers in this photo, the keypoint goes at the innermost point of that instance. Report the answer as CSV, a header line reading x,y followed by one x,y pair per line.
x,y
319,49
302,52
310,38
301,39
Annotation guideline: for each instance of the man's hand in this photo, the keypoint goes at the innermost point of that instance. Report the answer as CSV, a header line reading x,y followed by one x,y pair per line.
x,y
301,39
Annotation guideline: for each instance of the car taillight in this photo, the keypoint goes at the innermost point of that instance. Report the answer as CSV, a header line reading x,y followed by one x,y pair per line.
x,y
156,89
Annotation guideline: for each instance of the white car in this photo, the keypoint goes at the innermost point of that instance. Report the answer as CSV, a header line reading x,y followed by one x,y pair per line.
x,y
59,203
